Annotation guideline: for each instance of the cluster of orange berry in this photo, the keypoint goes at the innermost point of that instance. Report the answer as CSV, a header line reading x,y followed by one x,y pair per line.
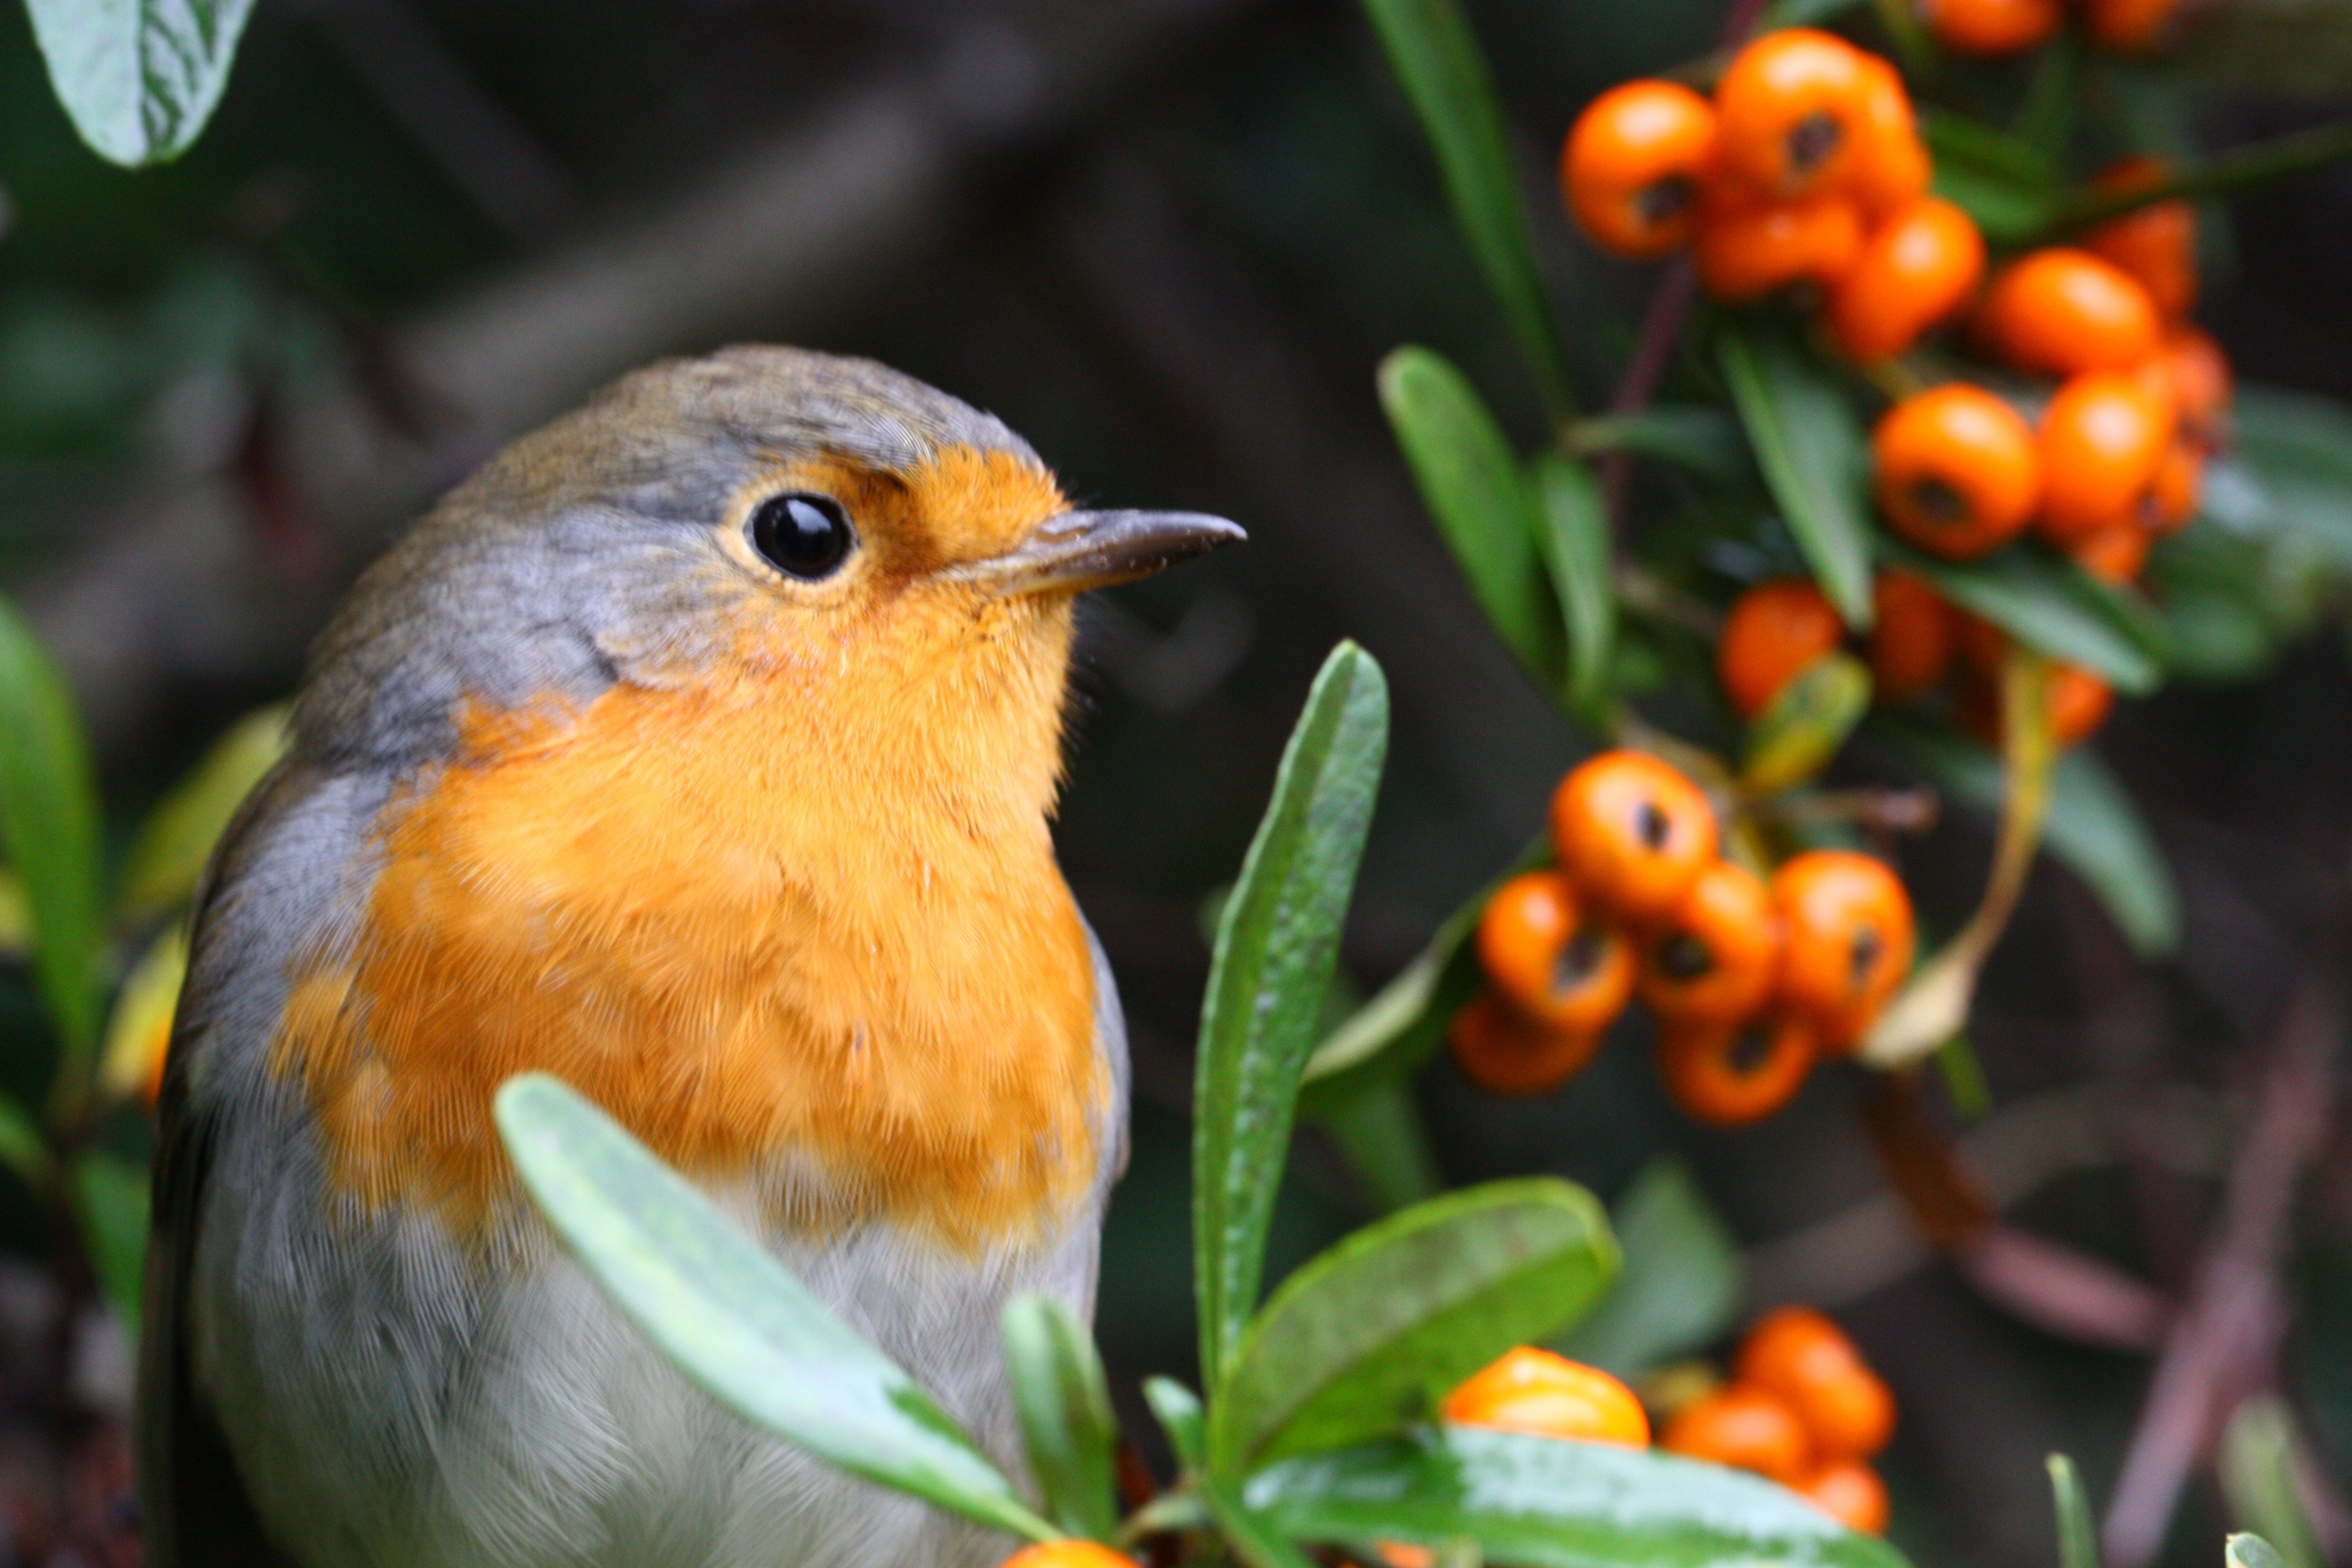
x,y
1806,168
1990,28
1750,982
1804,1408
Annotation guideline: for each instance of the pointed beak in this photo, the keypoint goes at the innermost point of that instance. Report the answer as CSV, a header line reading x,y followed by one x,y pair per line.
x,y
1082,549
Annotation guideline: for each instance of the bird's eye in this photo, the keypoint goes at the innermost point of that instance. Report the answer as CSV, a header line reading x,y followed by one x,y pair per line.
x,y
802,535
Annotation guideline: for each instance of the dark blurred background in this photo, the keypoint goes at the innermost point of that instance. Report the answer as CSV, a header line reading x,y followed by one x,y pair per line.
x,y
1168,240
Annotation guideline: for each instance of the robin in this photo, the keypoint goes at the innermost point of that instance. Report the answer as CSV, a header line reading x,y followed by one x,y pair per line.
x,y
699,750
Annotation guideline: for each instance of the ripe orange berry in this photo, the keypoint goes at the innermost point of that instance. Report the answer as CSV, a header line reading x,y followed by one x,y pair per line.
x,y
1911,637
2134,27
1633,834
1633,163
1745,252
1067,1554
2171,499
1958,470
2198,371
1773,634
1850,1492
1716,953
1730,1074
1894,170
2116,553
1848,938
1745,1427
2156,244
1552,961
1988,27
2103,438
1547,1396
1915,269
2063,310
1790,107
1801,1357
1506,1054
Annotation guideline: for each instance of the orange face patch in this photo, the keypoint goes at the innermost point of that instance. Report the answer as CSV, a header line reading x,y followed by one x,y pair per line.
x,y
796,919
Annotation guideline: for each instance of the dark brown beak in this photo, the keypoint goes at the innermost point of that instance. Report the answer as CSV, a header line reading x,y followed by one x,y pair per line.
x,y
1082,549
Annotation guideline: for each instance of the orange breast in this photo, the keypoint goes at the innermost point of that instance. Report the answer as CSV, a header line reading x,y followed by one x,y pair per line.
x,y
770,957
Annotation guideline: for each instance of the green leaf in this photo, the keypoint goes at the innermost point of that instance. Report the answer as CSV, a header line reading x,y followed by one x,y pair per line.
x,y
2051,605
49,829
2297,453
138,77
2262,1453
2078,1536
732,1317
1539,1502
2247,1550
1368,1336
1810,445
2092,826
1437,62
24,1149
1704,441
1682,1283
110,1198
1255,1542
1278,941
1178,1410
1485,508
16,916
1802,13
1378,1127
139,1030
1064,1404
1576,552
176,841
1807,720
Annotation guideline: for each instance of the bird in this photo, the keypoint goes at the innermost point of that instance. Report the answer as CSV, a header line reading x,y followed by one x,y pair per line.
x,y
700,748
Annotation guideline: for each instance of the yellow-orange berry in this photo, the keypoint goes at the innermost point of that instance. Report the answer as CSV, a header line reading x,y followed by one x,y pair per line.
x,y
1957,471
2102,439
1503,1053
1745,1427
1915,269
1067,1554
1730,1073
1912,637
1745,252
1848,939
1799,1355
1716,953
1773,633
1633,164
1989,27
1850,1492
1554,963
1547,1395
1633,834
2063,311
2156,244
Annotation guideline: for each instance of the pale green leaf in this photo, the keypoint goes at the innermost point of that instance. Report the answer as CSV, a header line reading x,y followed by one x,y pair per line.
x,y
139,78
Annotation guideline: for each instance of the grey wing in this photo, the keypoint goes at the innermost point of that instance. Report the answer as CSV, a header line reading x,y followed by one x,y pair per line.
x,y
194,1506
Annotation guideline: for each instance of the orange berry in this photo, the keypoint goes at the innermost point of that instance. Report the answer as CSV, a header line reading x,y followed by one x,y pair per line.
x,y
1895,169
2116,553
1847,941
1067,1554
1715,954
1745,252
1911,637
1915,269
1958,470
2180,483
1792,106
1745,1427
1804,1359
1988,27
2063,310
2198,371
1559,968
1633,163
1773,634
2134,27
2103,437
1506,1054
1632,833
1732,1073
1547,1395
2156,244
1850,1492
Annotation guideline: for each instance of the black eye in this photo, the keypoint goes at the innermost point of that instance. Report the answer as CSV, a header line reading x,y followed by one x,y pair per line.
x,y
802,535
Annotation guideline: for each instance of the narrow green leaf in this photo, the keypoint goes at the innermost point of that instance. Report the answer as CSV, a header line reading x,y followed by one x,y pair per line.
x,y
176,841
1807,720
1702,440
1781,13
2092,826
1063,1401
1437,62
2261,1452
1368,1336
139,78
2295,452
16,916
2078,1534
24,1149
139,1030
2247,1550
732,1317
1810,444
49,829
1378,1127
110,1198
1681,1285
2050,605
1178,1410
1276,944
1582,566
1543,1503
1485,508
1252,1539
